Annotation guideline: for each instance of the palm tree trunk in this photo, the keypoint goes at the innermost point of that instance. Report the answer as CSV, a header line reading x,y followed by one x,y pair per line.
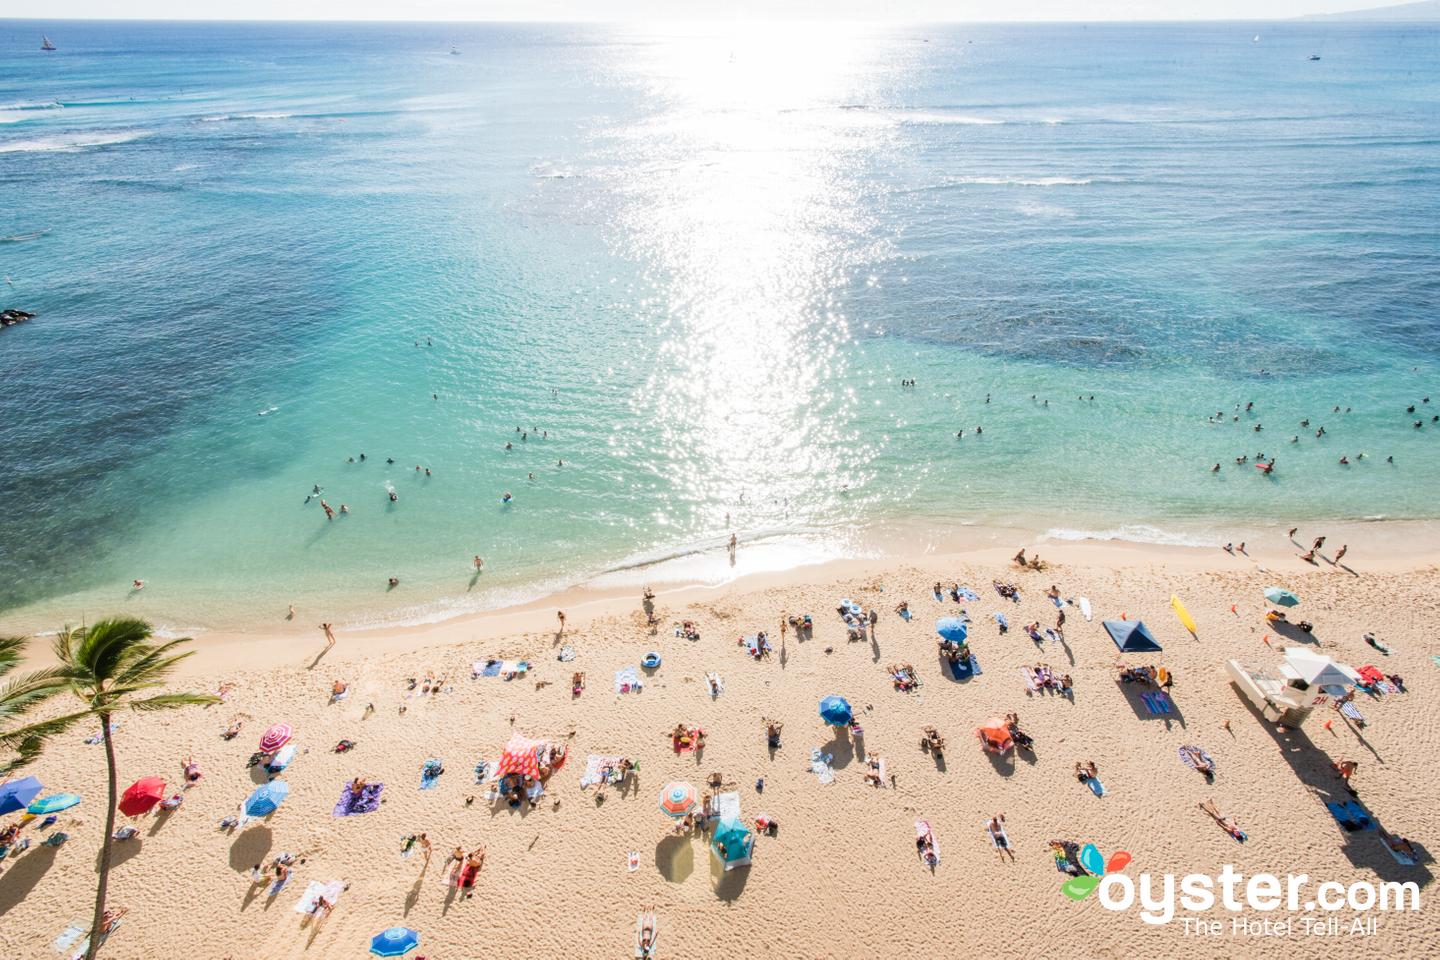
x,y
106,843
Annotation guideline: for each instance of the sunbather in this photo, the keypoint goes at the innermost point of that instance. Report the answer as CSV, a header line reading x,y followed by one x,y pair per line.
x,y
1227,824
999,838
645,945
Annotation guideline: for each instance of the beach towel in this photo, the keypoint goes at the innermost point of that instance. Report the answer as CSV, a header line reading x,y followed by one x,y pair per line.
x,y
922,832
536,791
351,805
595,764
99,737
632,861
967,594
752,646
820,766
1353,712
486,771
430,773
627,680
500,668
73,933
905,614
687,744
1157,703
1004,624
1032,683
964,671
1351,815
728,805
485,668
642,952
1400,858
999,839
1188,757
315,890
715,684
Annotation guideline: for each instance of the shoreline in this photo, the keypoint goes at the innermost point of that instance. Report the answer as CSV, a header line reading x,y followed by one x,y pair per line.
x,y
1378,547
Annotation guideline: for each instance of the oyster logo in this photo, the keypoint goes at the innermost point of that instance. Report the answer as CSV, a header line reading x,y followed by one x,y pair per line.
x,y
1078,888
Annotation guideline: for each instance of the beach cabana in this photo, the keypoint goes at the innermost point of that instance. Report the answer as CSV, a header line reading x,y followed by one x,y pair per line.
x,y
19,794
953,629
732,843
1131,636
995,736
142,795
836,711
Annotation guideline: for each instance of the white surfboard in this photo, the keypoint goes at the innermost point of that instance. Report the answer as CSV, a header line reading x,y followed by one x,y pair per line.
x,y
1085,607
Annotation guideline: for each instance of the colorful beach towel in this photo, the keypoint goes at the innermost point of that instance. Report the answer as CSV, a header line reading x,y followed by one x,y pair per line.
x,y
1158,703
351,805
595,765
430,773
627,680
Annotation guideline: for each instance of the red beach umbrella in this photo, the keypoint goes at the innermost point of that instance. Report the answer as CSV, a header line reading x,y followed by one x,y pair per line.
x,y
276,737
141,795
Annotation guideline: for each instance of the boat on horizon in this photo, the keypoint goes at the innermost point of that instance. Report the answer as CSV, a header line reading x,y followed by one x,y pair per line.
x,y
454,51
45,43
1314,56
1257,39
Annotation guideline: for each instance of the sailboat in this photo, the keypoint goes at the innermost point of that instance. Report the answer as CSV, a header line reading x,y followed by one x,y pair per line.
x,y
45,43
1257,39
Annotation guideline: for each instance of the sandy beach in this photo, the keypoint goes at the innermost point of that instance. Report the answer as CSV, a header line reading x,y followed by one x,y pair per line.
x,y
841,876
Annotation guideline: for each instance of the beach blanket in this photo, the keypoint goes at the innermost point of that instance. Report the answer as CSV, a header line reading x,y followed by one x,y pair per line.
x,y
351,805
728,805
820,766
627,680
688,743
967,594
905,614
1351,815
500,668
922,832
1032,684
715,685
1400,858
1188,756
73,933
1157,703
430,773
330,891
1004,624
595,764
567,653
964,671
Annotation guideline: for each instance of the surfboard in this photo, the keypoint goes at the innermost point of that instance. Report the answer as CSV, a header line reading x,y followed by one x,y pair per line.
x,y
1183,614
1085,607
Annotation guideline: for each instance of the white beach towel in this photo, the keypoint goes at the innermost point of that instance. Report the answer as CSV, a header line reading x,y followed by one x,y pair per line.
x,y
728,805
627,680
315,890
594,764
715,685
820,766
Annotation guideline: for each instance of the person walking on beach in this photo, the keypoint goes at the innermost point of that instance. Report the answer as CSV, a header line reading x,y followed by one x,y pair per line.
x,y
1340,554
1319,542
479,562
329,636
560,615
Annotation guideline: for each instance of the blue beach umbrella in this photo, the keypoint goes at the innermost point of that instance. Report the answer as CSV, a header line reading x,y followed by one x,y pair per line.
x,y
736,838
394,942
953,629
54,803
1280,597
18,794
267,798
836,711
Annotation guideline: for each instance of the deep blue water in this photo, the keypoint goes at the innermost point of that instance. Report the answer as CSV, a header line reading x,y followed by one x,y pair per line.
x,y
701,259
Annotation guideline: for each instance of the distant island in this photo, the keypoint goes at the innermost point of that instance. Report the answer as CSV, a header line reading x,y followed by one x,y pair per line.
x,y
1422,12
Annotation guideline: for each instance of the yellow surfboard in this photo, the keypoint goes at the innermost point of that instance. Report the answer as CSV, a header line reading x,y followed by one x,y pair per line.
x,y
1183,614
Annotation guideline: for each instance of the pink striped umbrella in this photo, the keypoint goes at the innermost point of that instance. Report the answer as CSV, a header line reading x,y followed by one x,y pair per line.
x,y
275,737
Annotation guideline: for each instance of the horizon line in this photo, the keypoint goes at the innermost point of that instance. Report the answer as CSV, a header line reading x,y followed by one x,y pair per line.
x,y
1346,17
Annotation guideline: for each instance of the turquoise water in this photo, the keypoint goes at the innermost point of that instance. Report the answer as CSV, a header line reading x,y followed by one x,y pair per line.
x,y
702,259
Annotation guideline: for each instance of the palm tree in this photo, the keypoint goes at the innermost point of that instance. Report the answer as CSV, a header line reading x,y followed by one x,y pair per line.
x,y
16,697
111,667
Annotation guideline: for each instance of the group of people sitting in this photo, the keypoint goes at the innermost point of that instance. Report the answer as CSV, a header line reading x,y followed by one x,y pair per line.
x,y
686,737
1022,740
931,740
1007,590
1278,616
687,630
955,652
1048,679
1159,676
1034,563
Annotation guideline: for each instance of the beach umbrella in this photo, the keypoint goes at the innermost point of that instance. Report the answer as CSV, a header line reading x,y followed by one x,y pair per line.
x,y
1283,598
994,735
18,794
266,798
54,803
520,757
394,942
953,629
677,799
736,838
141,795
276,736
836,711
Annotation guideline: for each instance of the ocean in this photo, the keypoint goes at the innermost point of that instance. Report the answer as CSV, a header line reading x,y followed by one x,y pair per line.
x,y
662,284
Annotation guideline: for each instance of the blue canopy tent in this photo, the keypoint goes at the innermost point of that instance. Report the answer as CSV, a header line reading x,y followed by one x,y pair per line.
x,y
19,794
1131,636
732,843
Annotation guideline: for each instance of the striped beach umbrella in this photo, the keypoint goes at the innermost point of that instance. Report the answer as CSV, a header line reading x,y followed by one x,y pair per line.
x,y
276,736
677,799
266,798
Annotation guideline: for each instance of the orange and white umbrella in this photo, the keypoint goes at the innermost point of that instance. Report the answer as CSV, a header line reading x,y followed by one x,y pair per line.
x,y
677,799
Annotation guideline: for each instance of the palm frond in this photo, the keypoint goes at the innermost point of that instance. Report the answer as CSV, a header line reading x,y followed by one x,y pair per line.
x,y
11,649
169,701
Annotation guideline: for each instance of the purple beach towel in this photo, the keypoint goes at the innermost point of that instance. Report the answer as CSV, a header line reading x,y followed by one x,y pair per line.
x,y
367,802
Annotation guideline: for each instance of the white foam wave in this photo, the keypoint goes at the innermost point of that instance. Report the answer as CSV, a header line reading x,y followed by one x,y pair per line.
x,y
1024,181
71,142
1132,533
931,117
223,117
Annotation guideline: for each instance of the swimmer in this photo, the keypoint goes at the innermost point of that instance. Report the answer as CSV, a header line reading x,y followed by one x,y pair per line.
x,y
394,497
137,584
506,498
394,582
344,508
479,563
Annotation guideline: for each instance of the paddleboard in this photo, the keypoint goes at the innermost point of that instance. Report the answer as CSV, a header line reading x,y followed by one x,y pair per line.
x,y
1085,607
282,758
1183,614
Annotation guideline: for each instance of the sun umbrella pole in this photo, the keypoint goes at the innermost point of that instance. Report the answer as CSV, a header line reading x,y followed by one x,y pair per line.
x,y
107,840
